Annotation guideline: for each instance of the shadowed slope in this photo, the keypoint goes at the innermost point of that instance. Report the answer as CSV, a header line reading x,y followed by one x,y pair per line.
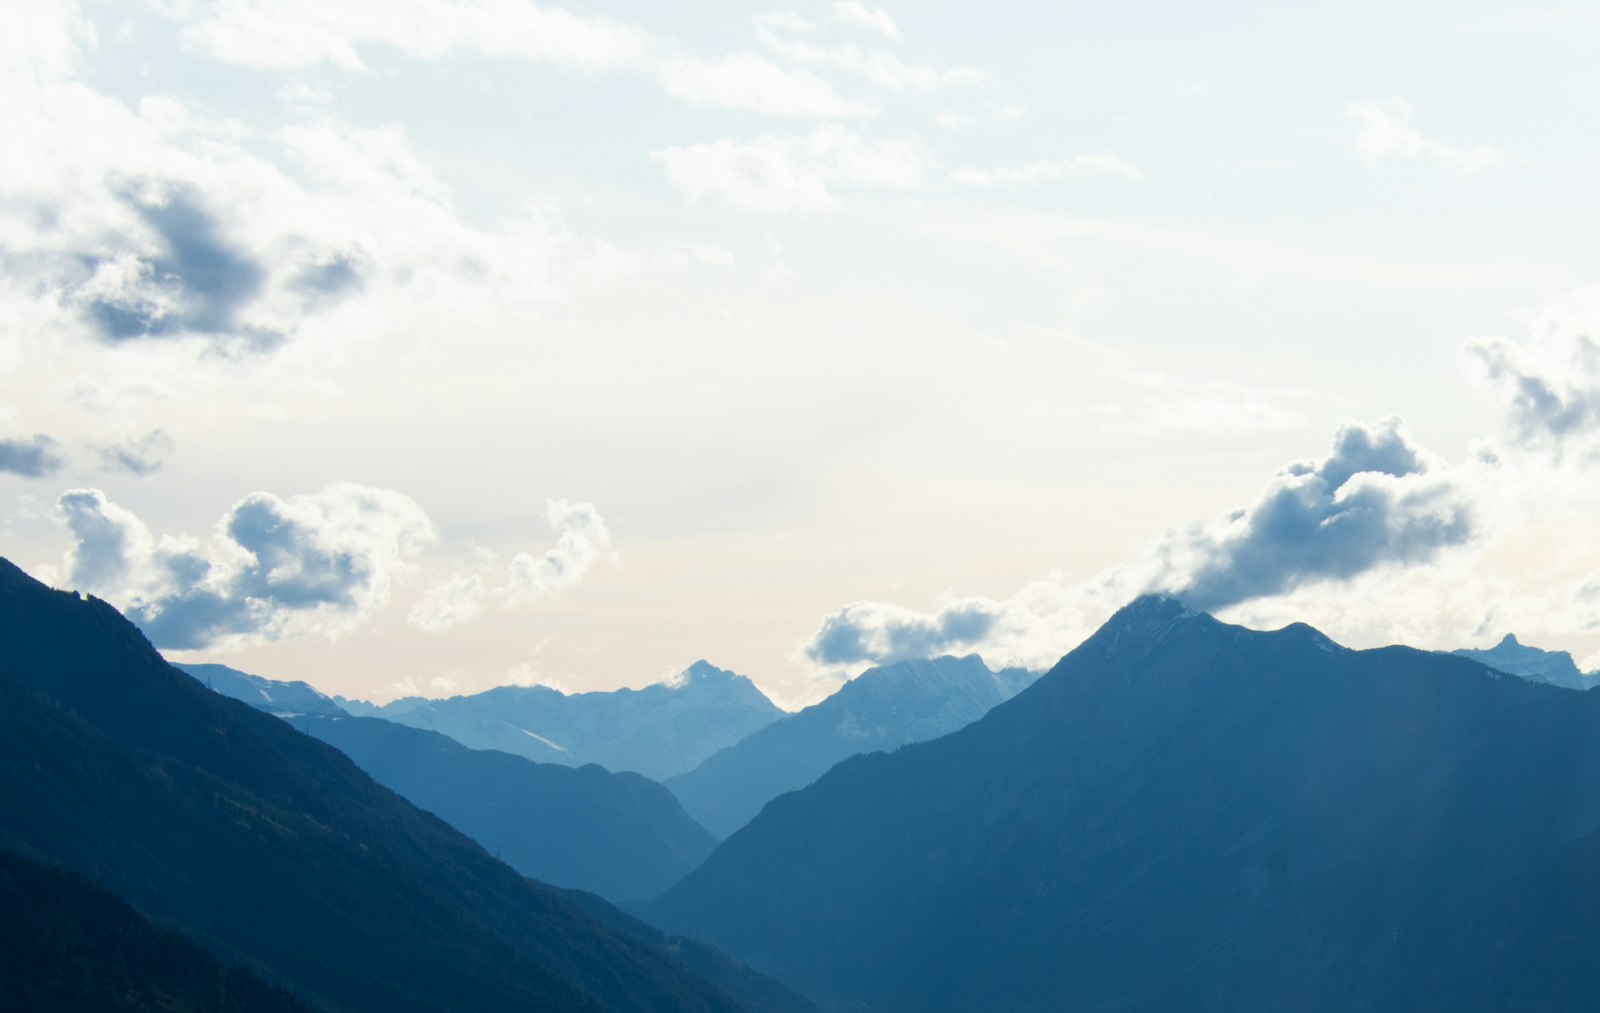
x,y
622,836
273,848
1181,815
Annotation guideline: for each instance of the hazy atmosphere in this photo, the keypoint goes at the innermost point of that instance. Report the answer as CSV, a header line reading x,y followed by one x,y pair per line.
x,y
428,346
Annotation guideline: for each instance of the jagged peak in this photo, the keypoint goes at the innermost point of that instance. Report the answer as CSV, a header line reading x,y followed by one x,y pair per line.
x,y
1509,640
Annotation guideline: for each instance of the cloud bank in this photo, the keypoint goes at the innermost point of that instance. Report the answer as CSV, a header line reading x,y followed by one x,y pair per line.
x,y
275,567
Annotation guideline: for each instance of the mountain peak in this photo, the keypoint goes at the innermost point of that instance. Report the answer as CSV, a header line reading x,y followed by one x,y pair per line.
x,y
704,669
1509,640
1150,614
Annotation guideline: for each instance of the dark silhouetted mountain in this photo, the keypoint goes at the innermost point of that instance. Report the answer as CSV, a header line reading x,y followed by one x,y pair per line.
x,y
271,848
280,698
658,731
622,836
1515,658
881,709
1183,815
67,944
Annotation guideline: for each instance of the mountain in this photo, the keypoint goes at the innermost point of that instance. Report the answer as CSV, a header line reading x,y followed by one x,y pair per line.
x,y
67,944
622,836
1515,658
1188,815
272,849
881,709
658,731
284,699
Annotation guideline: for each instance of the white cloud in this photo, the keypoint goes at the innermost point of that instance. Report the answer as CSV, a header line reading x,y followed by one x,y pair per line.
x,y
314,564
880,67
1385,132
448,604
1031,629
1097,163
582,537
791,174
859,15
747,81
1375,504
1551,381
293,34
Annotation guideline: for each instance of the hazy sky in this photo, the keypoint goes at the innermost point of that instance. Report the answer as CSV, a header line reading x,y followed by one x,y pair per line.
x,y
426,345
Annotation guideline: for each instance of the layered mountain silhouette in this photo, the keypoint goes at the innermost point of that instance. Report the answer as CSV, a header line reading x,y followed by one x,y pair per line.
x,y
285,699
881,709
273,849
1516,658
1188,815
622,836
658,731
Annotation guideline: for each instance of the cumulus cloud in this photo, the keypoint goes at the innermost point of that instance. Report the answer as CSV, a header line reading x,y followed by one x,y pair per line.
x,y
275,567
143,456
791,174
1375,502
192,280
1551,381
1030,629
582,537
1385,132
1376,499
34,457
1099,163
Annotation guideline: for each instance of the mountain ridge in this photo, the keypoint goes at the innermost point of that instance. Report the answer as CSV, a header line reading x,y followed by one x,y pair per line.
x,y
1180,814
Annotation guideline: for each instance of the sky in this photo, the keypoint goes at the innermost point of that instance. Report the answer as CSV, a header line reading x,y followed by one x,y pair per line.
x,y
431,345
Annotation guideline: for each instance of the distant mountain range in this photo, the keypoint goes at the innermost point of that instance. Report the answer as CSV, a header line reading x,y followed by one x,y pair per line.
x,y
272,849
659,731
1515,658
283,699
622,836
1188,815
881,709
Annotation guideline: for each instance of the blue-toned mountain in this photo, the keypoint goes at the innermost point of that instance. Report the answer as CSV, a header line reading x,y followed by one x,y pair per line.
x,y
658,731
881,709
1513,657
620,835
272,849
1184,814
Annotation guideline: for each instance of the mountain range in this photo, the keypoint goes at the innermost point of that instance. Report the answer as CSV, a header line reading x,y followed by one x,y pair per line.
x,y
1516,658
881,709
621,836
284,699
273,850
659,731
1184,814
